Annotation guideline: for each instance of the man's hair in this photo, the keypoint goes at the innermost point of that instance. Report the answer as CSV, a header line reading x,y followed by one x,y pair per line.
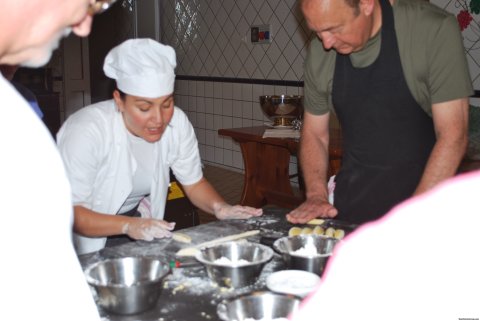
x,y
355,4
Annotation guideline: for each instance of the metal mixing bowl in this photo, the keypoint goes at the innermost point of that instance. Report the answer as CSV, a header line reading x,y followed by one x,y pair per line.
x,y
127,285
258,306
235,275
314,263
282,109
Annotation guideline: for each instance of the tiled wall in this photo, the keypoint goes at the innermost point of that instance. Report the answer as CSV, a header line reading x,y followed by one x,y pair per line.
x,y
211,38
214,105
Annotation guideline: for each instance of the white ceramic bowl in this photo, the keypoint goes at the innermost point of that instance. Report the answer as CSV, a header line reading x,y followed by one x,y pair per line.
x,y
296,282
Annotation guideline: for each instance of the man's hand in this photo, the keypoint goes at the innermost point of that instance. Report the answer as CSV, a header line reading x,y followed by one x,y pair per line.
x,y
313,207
225,211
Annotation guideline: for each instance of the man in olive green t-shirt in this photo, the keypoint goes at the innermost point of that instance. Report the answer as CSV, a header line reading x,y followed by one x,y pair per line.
x,y
395,74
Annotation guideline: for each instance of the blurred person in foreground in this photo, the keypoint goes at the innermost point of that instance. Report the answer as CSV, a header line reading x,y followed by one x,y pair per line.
x,y
118,153
40,275
395,74
421,261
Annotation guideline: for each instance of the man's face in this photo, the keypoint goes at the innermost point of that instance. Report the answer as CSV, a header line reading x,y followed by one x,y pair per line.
x,y
146,117
338,26
49,22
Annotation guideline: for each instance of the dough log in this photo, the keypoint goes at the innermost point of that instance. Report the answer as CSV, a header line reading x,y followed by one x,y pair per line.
x,y
191,251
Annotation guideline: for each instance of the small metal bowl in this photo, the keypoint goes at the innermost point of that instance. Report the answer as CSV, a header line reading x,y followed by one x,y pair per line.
x,y
258,306
127,285
286,246
282,109
235,275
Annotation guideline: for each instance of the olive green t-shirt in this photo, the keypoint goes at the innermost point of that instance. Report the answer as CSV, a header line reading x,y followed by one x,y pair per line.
x,y
431,52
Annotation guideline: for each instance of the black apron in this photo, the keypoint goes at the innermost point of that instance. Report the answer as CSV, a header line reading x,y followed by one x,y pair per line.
x,y
387,137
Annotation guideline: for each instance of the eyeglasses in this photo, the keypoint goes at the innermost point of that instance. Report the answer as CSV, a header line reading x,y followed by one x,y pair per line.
x,y
99,6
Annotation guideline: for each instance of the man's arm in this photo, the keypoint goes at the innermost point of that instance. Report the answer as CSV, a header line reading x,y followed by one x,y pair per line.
x,y
314,163
451,128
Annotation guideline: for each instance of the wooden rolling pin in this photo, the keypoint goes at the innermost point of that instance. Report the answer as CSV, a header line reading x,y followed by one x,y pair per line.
x,y
192,251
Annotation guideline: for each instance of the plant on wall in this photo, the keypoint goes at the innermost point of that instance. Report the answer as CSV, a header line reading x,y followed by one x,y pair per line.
x,y
464,16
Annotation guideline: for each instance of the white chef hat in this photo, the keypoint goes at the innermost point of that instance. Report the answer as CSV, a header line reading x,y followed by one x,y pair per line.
x,y
142,67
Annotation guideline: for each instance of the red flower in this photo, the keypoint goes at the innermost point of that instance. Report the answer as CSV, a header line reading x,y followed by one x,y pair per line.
x,y
464,18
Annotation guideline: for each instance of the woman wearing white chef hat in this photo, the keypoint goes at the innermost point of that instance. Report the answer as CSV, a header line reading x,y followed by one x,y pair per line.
x,y
118,153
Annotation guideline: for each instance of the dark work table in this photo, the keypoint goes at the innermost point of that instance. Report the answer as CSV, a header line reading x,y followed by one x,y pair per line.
x,y
188,293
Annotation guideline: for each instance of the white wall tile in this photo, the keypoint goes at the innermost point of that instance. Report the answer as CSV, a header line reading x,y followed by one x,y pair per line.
x,y
192,87
201,104
227,157
237,122
209,121
210,153
218,141
217,122
200,135
227,122
209,105
200,88
257,112
247,109
227,90
247,92
217,106
247,123
201,123
227,107
219,155
237,108
237,91
228,143
192,103
210,137
202,149
209,89
237,160
217,90
192,116
257,91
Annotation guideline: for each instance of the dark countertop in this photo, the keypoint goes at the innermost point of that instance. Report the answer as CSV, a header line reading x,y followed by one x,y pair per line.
x,y
188,293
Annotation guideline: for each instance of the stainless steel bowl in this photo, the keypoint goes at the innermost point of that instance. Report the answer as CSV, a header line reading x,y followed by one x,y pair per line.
x,y
258,306
282,109
235,275
314,263
127,285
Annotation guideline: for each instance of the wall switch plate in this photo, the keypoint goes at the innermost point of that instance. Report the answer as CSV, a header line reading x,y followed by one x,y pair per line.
x,y
260,34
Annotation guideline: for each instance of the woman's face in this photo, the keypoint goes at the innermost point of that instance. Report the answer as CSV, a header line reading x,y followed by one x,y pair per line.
x,y
145,117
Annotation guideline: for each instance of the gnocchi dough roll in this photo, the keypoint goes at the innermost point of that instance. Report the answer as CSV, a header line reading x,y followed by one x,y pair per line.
x,y
330,232
318,230
307,231
294,231
339,234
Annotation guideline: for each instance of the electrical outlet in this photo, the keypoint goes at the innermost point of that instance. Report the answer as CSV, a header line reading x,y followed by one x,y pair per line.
x,y
260,34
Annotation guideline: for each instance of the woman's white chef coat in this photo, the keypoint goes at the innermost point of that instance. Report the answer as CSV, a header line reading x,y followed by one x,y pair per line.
x,y
95,148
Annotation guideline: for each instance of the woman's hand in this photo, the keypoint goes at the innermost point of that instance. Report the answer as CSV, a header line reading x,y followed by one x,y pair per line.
x,y
147,229
225,211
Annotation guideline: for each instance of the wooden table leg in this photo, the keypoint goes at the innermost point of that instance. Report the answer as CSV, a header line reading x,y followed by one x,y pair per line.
x,y
266,170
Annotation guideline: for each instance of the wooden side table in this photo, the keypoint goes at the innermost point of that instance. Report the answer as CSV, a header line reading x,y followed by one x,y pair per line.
x,y
266,161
